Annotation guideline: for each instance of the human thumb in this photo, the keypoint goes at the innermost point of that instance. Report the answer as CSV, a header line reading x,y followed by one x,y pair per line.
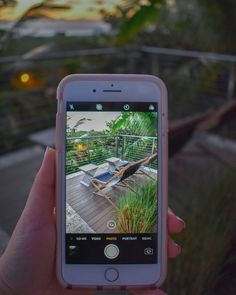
x,y
31,249
41,200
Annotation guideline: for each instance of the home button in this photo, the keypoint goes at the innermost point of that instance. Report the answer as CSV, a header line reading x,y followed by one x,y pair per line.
x,y
111,274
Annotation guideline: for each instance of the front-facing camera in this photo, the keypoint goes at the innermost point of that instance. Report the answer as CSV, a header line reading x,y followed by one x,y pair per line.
x,y
94,90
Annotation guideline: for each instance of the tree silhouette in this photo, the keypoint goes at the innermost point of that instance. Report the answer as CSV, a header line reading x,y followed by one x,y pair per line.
x,y
39,10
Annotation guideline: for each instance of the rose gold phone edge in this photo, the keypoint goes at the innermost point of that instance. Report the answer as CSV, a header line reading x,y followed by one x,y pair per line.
x,y
164,169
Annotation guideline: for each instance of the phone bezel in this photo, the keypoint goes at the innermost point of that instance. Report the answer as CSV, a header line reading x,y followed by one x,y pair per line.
x,y
133,88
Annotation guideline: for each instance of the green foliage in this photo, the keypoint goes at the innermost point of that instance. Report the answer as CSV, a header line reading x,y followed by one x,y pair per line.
x,y
186,98
97,152
135,123
209,211
139,148
197,24
71,162
138,211
96,148
139,20
7,3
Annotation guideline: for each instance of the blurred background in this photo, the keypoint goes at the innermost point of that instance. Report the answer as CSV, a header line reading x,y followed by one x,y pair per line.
x,y
191,45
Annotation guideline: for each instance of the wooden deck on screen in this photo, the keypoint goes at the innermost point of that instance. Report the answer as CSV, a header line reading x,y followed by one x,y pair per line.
x,y
95,210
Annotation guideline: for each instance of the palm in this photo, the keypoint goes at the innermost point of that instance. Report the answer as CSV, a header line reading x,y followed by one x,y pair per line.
x,y
32,267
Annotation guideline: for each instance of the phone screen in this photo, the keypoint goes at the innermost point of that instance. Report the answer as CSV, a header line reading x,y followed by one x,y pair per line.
x,y
111,182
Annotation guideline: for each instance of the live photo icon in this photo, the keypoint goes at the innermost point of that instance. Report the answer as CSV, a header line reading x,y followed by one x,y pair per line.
x,y
98,107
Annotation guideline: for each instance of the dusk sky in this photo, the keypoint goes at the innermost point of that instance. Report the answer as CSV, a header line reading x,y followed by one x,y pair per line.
x,y
97,120
88,9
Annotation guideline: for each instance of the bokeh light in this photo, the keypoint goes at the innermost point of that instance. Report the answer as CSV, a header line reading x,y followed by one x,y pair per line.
x,y
24,77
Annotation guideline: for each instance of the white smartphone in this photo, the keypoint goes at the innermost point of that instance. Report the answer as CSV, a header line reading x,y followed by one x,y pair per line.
x,y
111,144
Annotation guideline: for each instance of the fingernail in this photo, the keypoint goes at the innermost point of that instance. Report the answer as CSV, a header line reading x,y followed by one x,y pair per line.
x,y
182,221
179,248
46,150
170,210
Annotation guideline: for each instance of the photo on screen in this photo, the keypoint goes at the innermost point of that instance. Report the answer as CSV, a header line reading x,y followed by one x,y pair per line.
x,y
111,172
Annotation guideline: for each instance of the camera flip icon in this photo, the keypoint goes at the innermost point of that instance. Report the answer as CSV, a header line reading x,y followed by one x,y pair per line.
x,y
148,251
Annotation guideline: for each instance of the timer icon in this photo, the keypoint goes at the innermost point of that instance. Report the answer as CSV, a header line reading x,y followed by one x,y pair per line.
x,y
126,107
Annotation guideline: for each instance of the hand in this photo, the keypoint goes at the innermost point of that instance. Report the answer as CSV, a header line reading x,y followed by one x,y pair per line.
x,y
28,264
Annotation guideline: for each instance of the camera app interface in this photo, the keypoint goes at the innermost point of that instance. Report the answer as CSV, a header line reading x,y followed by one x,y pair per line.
x,y
111,182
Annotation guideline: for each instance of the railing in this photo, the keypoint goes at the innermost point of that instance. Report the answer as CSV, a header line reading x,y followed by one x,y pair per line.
x,y
96,149
196,81
204,57
155,61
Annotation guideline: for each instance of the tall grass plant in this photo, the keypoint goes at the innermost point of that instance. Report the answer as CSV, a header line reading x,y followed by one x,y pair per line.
x,y
138,210
209,212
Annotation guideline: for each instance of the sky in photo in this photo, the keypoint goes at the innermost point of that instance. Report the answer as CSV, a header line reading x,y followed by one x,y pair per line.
x,y
85,9
97,123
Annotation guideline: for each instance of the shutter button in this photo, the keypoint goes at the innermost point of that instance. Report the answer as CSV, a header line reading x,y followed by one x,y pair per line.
x,y
111,251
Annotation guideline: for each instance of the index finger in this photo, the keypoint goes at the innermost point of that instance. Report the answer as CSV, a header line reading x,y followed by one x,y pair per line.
x,y
175,223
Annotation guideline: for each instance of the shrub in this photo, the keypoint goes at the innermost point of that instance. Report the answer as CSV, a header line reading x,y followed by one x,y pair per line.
x,y
209,211
138,211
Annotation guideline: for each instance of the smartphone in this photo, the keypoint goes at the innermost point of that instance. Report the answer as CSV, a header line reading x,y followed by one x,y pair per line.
x,y
111,145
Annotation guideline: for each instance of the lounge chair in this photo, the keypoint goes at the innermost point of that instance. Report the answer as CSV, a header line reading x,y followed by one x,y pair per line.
x,y
107,179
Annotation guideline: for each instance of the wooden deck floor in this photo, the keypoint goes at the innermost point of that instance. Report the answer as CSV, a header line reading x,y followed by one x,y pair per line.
x,y
95,210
